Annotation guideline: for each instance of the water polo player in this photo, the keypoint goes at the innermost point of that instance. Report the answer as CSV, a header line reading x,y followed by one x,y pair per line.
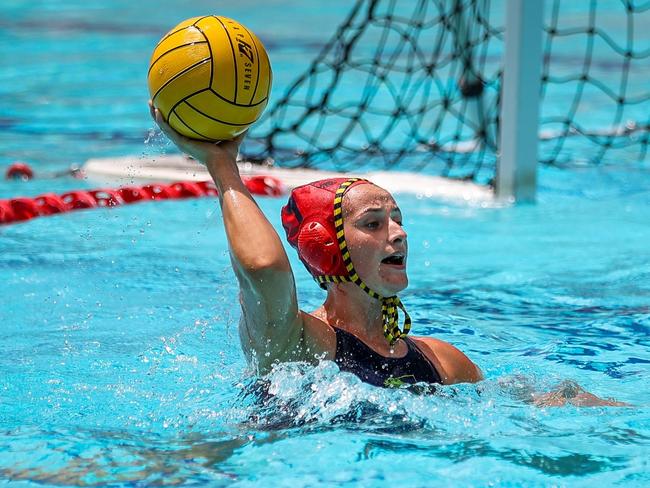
x,y
349,235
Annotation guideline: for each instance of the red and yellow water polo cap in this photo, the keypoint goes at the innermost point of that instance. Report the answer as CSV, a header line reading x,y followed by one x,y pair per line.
x,y
313,222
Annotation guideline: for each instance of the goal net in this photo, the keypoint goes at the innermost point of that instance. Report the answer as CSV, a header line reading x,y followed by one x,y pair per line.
x,y
415,85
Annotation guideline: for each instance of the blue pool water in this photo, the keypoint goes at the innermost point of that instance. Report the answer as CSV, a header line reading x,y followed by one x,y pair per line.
x,y
119,352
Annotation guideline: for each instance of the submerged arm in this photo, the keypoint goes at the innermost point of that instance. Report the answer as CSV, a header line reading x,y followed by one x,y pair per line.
x,y
271,325
567,392
570,392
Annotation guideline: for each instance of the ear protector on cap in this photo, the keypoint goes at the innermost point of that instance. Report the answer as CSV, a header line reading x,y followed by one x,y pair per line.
x,y
308,221
319,248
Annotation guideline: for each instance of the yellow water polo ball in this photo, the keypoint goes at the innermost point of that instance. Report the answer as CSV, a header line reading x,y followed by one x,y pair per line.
x,y
210,77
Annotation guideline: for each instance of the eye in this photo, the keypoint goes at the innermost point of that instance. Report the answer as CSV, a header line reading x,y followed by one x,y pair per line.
x,y
373,224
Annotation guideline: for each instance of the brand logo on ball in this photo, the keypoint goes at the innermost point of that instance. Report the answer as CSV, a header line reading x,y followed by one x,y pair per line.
x,y
245,49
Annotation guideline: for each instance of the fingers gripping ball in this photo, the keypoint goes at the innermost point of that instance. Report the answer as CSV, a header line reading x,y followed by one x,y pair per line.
x,y
210,77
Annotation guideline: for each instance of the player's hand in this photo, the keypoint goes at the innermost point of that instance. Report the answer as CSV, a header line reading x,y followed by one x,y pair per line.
x,y
202,151
569,392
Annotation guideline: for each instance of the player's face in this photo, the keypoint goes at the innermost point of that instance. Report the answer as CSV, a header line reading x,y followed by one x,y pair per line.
x,y
376,238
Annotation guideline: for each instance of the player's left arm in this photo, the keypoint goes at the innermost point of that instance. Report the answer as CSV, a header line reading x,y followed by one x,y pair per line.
x,y
451,363
571,393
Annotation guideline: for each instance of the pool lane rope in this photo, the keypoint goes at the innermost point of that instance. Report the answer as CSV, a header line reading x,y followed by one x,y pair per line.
x,y
26,208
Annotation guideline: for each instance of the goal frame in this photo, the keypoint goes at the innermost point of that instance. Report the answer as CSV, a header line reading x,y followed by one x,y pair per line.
x,y
516,170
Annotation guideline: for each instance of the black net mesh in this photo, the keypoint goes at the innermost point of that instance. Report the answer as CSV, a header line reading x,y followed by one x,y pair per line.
x,y
595,82
414,85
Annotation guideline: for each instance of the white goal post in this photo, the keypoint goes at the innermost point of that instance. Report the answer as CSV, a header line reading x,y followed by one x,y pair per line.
x,y
516,172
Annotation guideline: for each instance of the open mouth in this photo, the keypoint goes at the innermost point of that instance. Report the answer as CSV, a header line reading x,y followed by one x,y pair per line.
x,y
394,259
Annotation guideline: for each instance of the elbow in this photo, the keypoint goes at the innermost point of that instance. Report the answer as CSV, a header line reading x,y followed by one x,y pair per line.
x,y
266,264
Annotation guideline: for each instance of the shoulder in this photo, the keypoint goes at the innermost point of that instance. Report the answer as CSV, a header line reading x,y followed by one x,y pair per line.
x,y
319,338
452,364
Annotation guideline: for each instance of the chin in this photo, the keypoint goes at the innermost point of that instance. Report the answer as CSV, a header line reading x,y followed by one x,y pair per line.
x,y
393,287
386,282
401,287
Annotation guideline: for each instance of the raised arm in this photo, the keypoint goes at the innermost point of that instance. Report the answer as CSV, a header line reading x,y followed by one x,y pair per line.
x,y
271,326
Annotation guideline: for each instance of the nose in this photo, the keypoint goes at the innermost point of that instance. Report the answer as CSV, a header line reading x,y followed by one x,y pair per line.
x,y
396,232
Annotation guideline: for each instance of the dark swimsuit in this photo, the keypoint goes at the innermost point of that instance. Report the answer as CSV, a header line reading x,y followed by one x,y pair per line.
x,y
353,356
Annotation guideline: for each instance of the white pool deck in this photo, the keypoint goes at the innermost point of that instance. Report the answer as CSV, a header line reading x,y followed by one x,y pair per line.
x,y
138,169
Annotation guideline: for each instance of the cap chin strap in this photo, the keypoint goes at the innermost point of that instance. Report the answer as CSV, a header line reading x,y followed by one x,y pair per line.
x,y
389,305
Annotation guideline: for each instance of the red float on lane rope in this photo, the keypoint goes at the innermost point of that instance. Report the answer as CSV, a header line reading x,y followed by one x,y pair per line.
x,y
19,171
22,209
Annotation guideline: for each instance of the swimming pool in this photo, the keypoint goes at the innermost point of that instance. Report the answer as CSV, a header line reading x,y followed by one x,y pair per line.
x,y
120,358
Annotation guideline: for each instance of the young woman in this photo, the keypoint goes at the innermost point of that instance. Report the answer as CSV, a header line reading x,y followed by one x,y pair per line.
x,y
349,235
362,265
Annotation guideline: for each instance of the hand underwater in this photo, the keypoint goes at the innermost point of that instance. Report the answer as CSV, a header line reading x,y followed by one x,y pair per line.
x,y
572,393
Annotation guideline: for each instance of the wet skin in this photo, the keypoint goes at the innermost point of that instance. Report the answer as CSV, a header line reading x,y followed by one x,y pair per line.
x,y
372,222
